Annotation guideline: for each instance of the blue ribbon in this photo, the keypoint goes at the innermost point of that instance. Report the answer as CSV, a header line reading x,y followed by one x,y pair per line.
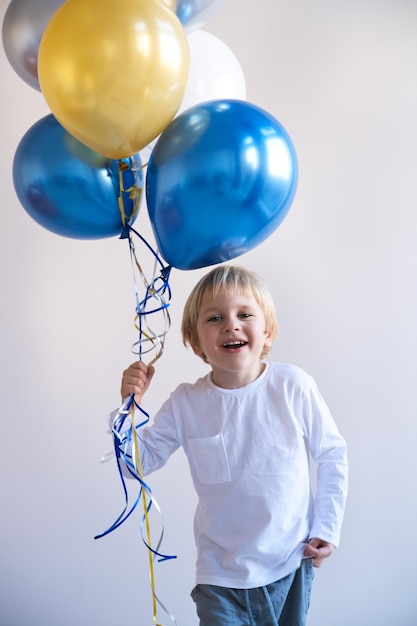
x,y
122,440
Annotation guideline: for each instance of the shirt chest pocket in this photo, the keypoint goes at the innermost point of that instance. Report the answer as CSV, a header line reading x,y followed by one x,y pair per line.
x,y
208,459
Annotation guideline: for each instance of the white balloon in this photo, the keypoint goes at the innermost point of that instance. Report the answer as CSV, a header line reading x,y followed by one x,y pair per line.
x,y
215,72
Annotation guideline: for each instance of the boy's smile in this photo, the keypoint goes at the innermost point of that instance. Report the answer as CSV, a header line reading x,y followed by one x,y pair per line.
x,y
231,333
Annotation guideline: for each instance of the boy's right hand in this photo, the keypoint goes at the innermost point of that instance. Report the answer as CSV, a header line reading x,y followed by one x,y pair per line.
x,y
136,379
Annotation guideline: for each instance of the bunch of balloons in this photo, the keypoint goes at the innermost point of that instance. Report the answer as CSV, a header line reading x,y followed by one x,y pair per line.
x,y
122,78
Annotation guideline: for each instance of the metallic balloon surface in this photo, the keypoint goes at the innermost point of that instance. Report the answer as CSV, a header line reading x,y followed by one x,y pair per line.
x,y
220,180
23,26
114,73
66,187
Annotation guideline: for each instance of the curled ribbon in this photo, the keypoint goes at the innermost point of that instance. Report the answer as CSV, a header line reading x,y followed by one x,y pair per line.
x,y
126,448
125,431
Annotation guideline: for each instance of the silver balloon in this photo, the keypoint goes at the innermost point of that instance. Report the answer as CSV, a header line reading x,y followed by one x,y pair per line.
x,y
194,14
23,26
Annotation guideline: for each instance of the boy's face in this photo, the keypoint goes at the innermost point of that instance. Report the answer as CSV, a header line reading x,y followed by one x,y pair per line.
x,y
231,333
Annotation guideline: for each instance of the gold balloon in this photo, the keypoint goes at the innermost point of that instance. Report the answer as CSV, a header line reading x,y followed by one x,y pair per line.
x,y
114,73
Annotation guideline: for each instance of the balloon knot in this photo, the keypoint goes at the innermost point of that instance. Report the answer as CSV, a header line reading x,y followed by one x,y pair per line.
x,y
125,232
165,272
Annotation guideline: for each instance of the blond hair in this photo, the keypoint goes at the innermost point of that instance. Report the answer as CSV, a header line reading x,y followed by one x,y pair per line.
x,y
230,279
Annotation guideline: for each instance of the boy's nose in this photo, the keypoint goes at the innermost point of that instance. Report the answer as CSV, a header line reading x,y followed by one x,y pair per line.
x,y
231,324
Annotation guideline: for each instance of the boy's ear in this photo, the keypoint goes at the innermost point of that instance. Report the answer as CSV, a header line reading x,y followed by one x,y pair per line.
x,y
197,350
269,338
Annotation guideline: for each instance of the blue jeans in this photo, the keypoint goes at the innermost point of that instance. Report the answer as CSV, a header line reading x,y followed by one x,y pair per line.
x,y
282,603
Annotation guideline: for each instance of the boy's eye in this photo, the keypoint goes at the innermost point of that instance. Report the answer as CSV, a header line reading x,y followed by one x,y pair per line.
x,y
214,318
218,318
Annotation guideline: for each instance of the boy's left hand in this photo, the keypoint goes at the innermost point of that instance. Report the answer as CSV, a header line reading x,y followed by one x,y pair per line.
x,y
319,550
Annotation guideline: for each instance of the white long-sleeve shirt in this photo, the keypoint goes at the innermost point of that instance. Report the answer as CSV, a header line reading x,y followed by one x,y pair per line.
x,y
249,454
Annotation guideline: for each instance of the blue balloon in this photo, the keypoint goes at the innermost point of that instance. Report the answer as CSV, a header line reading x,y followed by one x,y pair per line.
x,y
220,180
71,190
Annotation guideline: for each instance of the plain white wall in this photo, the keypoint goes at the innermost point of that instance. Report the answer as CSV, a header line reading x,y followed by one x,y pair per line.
x,y
341,77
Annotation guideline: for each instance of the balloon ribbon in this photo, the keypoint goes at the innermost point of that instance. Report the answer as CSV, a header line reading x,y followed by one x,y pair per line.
x,y
124,429
126,448
125,167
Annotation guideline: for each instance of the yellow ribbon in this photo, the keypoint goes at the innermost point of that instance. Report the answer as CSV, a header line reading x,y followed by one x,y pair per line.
x,y
138,465
135,193
157,344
